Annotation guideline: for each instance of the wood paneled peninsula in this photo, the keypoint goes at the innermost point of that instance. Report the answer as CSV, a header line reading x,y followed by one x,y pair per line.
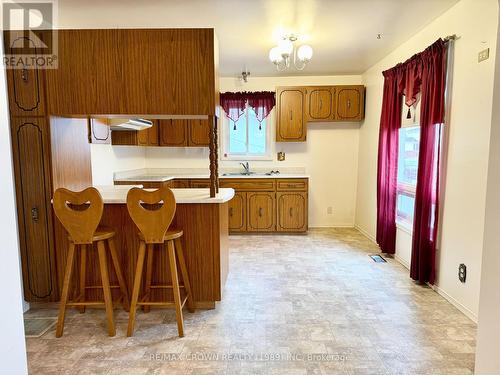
x,y
204,221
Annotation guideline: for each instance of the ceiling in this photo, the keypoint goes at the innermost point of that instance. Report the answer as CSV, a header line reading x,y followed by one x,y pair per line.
x,y
343,33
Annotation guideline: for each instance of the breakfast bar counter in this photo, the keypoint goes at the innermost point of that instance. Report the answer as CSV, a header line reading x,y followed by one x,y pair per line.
x,y
204,221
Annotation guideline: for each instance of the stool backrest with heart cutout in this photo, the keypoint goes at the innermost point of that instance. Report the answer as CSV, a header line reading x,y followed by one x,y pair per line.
x,y
79,212
152,212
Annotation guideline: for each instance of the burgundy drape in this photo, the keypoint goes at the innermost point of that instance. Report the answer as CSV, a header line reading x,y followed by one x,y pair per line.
x,y
425,73
433,84
233,103
390,122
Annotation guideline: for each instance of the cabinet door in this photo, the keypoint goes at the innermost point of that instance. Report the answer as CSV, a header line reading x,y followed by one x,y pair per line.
x,y
290,125
173,132
261,212
238,212
26,94
292,211
350,103
148,137
31,150
319,101
99,131
199,133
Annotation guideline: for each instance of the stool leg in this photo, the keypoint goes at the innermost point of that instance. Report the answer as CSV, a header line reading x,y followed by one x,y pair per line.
x,y
83,267
108,302
119,274
137,286
65,290
184,273
149,274
175,287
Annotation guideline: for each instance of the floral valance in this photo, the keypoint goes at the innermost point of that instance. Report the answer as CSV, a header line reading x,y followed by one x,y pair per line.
x,y
233,103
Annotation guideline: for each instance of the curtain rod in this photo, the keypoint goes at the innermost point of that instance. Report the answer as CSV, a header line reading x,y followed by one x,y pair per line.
x,y
451,37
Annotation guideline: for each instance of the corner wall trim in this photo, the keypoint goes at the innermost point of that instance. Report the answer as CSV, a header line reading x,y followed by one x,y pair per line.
x,y
365,233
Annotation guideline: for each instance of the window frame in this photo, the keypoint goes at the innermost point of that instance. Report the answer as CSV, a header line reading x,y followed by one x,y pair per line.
x,y
224,138
404,188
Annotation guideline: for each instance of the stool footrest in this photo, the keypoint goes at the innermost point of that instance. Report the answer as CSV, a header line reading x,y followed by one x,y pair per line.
x,y
89,303
100,287
155,304
164,286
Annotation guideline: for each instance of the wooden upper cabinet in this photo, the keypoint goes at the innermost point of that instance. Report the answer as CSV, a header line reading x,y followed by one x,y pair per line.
x,y
350,103
25,86
134,71
199,133
149,137
320,103
99,131
173,132
290,126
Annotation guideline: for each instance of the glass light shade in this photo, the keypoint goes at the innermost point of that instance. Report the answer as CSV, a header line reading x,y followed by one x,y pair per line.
x,y
285,48
304,53
275,55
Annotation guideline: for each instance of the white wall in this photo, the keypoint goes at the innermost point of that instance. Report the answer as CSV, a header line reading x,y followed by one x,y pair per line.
x,y
329,155
107,159
12,344
488,343
475,22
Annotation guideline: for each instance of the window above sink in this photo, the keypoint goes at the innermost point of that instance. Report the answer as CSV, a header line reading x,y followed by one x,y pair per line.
x,y
246,139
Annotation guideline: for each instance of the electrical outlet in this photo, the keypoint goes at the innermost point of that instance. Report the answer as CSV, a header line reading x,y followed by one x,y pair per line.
x,y
462,272
329,210
483,55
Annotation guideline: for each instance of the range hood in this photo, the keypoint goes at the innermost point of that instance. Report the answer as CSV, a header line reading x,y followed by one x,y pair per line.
x,y
129,124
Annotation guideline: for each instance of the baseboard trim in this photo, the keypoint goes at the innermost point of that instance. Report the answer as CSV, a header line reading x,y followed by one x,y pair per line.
x,y
466,311
365,233
331,226
401,261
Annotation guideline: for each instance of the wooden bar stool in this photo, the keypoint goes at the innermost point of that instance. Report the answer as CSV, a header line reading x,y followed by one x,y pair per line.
x,y
80,214
153,212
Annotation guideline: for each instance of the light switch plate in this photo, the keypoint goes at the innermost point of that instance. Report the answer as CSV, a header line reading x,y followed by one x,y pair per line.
x,y
483,55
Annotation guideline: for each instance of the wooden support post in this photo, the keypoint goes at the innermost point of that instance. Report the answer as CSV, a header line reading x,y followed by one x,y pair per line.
x,y
213,159
216,137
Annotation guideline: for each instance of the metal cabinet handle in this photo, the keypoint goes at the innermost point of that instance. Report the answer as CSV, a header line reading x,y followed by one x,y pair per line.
x,y
291,209
34,214
230,211
320,104
24,74
260,211
348,104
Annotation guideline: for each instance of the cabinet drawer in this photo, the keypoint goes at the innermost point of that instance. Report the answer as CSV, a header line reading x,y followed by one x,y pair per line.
x,y
292,185
200,183
263,184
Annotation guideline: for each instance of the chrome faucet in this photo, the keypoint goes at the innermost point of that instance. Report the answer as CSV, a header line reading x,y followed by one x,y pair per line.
x,y
246,166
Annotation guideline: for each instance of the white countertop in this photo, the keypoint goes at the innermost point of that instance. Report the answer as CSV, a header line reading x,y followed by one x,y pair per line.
x,y
118,194
163,178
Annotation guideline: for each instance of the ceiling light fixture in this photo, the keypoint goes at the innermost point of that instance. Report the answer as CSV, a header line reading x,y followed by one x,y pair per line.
x,y
281,55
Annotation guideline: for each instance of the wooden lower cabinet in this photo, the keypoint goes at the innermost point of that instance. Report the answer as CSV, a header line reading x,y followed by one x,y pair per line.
x,y
261,212
238,212
292,211
268,205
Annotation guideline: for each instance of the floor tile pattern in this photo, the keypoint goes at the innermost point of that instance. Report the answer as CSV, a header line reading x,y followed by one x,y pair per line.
x,y
293,304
